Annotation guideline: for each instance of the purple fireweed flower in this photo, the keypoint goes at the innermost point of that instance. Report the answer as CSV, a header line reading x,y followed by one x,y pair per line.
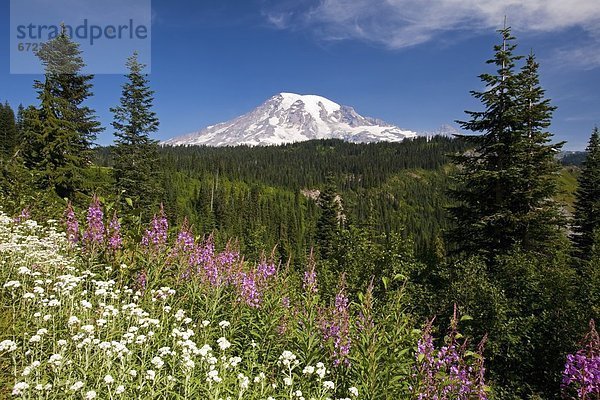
x,y
342,338
23,216
185,238
336,329
202,262
94,234
266,270
156,236
71,224
309,282
215,269
228,265
186,274
115,241
203,253
448,373
253,283
141,281
582,369
185,245
249,290
225,268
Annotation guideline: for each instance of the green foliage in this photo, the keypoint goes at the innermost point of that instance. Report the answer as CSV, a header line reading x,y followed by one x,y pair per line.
x,y
307,164
135,153
174,330
18,190
59,134
383,350
330,221
573,158
528,308
264,197
591,280
567,183
522,292
506,185
9,138
587,205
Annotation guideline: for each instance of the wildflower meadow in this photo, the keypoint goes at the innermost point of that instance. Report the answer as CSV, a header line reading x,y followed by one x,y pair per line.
x,y
91,311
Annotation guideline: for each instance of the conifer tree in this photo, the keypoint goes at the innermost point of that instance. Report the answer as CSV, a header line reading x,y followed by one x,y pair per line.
x,y
20,121
18,188
328,224
539,218
136,154
587,204
8,130
506,181
60,132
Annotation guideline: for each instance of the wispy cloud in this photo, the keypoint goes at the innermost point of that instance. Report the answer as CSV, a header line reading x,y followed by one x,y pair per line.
x,y
278,20
585,56
403,23
585,118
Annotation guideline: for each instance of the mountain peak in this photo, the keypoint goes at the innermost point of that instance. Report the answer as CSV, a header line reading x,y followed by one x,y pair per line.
x,y
290,117
309,100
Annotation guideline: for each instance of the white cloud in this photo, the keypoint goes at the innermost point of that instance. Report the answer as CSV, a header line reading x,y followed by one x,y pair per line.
x,y
278,20
585,56
403,23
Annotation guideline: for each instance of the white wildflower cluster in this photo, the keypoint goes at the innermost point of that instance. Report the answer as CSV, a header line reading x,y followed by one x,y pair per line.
x,y
288,359
7,346
162,294
223,343
29,244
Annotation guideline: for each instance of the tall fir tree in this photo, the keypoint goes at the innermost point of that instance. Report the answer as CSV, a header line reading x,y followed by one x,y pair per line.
x,y
61,131
8,130
587,205
506,181
136,154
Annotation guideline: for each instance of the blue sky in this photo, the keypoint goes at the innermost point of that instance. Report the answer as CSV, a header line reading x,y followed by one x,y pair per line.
x,y
409,62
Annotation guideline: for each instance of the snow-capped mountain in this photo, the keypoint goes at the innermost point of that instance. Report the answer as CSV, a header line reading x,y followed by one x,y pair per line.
x,y
288,118
444,130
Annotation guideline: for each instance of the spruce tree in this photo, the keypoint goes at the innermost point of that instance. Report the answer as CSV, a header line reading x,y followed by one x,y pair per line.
x,y
328,224
539,217
20,121
587,204
60,132
506,180
8,130
136,154
17,186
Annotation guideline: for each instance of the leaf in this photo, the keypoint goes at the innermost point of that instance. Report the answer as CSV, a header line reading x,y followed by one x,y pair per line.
x,y
129,201
466,318
399,277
